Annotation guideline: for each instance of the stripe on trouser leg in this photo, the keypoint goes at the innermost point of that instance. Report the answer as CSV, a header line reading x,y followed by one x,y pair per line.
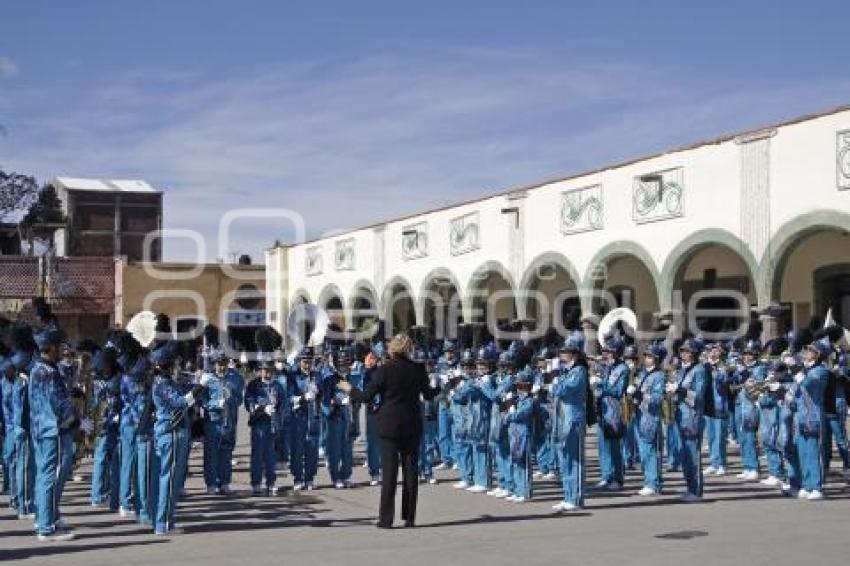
x,y
169,505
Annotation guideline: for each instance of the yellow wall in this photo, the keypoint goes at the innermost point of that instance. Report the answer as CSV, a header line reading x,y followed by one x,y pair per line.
x,y
213,285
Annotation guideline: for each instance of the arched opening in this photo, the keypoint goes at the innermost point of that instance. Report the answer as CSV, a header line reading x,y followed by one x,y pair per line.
x,y
442,308
491,297
550,294
715,284
628,281
364,314
330,299
400,313
814,277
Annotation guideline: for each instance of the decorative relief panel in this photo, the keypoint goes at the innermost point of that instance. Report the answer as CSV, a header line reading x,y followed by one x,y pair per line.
x,y
658,196
581,209
465,234
843,159
344,255
313,261
414,241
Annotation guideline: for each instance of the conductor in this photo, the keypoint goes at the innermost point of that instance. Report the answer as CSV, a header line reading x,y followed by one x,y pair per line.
x,y
401,383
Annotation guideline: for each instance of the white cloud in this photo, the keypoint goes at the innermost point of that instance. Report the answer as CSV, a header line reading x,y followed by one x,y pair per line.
x,y
8,68
348,143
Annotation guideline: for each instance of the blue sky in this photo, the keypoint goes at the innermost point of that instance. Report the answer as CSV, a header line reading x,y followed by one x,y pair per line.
x,y
354,112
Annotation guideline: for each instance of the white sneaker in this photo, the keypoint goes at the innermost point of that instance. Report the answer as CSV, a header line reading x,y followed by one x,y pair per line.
x,y
565,506
298,487
492,492
771,481
57,537
602,485
647,491
803,494
752,476
432,481
274,490
125,513
721,471
454,466
310,486
689,497
742,475
537,475
212,490
375,481
477,489
77,478
510,498
441,466
815,495
519,499
502,494
339,485
550,476
460,485
786,487
710,470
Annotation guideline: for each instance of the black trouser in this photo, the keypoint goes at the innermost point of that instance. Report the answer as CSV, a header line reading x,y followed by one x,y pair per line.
x,y
393,451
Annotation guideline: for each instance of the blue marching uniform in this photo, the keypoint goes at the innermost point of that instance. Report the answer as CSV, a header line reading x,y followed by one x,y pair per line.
x,y
264,401
373,441
428,442
610,426
499,389
221,402
7,387
747,415
134,394
569,395
52,420
835,431
542,443
477,407
717,426
106,404
169,439
689,409
808,406
444,416
336,415
649,392
520,423
306,422
24,447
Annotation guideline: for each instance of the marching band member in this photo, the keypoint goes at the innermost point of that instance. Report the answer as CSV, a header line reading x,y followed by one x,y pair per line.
x,y
631,454
462,420
134,393
336,415
106,410
751,372
569,394
282,436
807,403
500,392
477,408
265,399
688,393
546,463
648,393
373,440
446,366
53,422
609,387
428,442
718,425
769,413
306,421
7,385
520,421
170,437
221,401
835,431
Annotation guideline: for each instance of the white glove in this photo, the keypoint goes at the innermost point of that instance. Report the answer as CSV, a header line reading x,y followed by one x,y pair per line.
x,y
535,388
225,391
774,386
310,395
595,380
295,401
444,378
789,397
512,410
433,381
799,377
672,388
508,396
205,380
190,399
269,410
116,418
346,400
86,425
219,404
458,372
631,389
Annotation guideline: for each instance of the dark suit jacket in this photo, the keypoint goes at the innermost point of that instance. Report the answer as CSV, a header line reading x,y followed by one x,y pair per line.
x,y
399,382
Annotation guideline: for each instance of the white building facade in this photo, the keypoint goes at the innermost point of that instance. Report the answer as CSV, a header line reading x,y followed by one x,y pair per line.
x,y
765,214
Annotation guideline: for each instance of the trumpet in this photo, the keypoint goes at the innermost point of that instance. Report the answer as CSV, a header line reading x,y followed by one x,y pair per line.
x,y
627,403
668,402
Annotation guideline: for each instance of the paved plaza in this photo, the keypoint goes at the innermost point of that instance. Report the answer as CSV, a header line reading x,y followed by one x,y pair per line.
x,y
739,523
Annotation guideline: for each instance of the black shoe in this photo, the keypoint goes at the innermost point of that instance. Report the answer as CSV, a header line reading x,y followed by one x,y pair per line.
x,y
409,524
381,525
